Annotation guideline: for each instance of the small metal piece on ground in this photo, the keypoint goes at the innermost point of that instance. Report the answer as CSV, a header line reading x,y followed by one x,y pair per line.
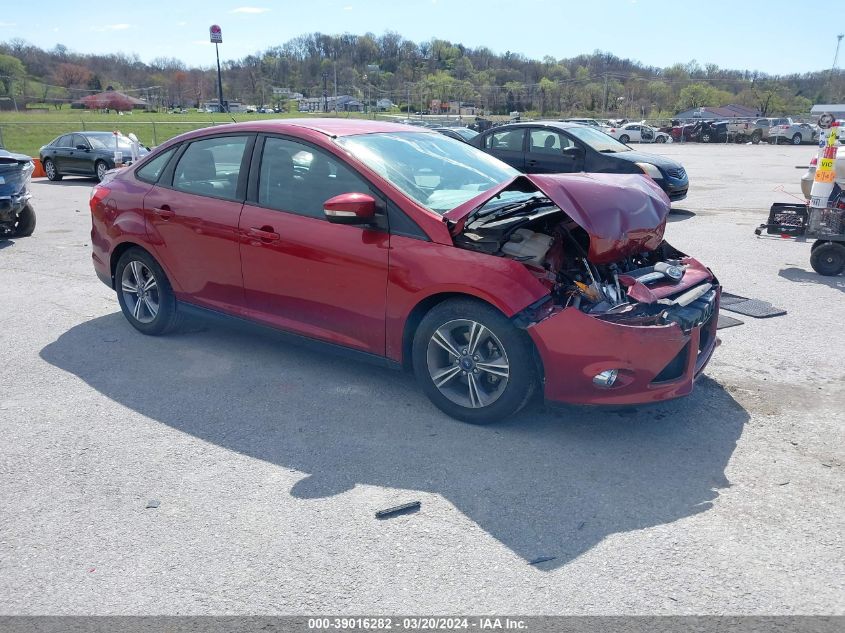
x,y
541,559
726,321
405,508
153,503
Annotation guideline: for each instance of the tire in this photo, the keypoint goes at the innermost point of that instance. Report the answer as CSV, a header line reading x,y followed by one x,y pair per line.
x,y
501,371
624,139
817,243
51,171
25,224
155,311
756,138
828,259
796,139
100,169
705,138
660,139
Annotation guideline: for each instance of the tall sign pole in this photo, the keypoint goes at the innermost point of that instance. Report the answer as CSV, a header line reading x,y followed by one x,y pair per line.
x,y
216,37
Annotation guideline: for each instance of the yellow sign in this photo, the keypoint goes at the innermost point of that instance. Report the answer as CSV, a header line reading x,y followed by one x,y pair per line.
x,y
832,136
826,164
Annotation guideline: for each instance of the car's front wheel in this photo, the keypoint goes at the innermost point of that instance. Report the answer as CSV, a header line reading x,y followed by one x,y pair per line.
x,y
472,362
144,293
796,139
624,139
660,139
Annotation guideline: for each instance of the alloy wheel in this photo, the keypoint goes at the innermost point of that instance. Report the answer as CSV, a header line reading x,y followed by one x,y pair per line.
x,y
468,363
102,168
50,170
140,291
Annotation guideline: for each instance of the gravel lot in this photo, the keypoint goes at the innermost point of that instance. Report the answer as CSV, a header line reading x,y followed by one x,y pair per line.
x,y
269,459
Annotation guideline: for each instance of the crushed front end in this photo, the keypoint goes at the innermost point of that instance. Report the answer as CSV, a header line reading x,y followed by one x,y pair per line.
x,y
628,318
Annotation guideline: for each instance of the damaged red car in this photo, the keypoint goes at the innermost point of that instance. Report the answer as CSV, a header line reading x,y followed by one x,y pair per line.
x,y
417,251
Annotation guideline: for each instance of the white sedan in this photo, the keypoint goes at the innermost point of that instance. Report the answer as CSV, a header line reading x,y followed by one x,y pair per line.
x,y
638,133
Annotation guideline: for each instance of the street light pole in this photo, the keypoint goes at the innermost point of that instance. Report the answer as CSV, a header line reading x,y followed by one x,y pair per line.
x,y
219,79
325,92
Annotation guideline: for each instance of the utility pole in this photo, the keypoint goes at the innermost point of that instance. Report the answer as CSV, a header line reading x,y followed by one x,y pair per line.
x,y
325,92
605,95
836,55
335,87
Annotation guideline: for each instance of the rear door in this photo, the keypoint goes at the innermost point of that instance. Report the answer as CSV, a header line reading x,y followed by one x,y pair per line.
x,y
301,272
192,219
61,152
508,146
550,152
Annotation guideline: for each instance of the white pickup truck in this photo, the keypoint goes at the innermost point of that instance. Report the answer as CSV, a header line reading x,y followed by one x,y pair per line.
x,y
785,130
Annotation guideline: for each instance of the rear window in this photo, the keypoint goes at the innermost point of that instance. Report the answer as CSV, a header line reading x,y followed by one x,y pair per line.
x,y
150,172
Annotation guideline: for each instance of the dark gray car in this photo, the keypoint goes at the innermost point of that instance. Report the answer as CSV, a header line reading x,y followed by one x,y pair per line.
x,y
551,147
85,154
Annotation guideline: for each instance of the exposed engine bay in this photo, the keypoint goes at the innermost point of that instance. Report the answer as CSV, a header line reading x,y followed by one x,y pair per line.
x,y
637,279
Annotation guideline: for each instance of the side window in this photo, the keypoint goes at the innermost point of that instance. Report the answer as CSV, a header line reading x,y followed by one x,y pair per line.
x,y
548,142
78,140
211,167
508,140
64,141
299,178
152,170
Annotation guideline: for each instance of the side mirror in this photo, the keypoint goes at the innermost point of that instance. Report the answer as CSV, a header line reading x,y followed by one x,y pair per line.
x,y
574,151
81,147
350,208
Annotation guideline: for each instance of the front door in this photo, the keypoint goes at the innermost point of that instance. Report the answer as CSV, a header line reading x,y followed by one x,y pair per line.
x,y
550,152
300,272
192,219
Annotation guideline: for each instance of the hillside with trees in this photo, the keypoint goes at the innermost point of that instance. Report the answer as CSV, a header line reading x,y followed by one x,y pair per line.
x,y
413,73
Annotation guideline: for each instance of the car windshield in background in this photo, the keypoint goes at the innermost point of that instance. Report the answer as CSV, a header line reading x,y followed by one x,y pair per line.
x,y
467,133
106,141
437,171
599,141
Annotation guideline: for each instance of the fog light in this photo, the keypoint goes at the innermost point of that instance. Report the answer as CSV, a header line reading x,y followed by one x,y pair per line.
x,y
606,378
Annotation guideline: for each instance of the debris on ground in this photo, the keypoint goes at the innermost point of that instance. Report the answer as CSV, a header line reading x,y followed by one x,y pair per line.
x,y
749,307
153,503
405,508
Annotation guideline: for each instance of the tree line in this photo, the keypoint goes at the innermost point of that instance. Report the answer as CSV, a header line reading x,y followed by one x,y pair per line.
x,y
412,74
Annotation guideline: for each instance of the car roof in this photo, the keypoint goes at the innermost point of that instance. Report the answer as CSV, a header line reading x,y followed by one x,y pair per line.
x,y
563,125
333,127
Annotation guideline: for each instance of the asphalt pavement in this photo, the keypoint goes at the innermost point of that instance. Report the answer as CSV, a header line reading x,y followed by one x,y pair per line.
x,y
224,470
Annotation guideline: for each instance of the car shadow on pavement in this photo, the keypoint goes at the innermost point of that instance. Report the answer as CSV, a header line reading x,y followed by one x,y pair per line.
x,y
544,484
70,181
808,276
679,215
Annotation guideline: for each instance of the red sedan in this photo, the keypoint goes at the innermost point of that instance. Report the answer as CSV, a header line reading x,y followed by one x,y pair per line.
x,y
416,250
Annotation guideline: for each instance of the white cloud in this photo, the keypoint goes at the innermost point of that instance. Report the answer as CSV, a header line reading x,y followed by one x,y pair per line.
x,y
2,24
181,24
110,27
251,10
348,7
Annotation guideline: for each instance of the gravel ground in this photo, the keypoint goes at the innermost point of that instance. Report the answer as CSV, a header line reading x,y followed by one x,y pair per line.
x,y
268,459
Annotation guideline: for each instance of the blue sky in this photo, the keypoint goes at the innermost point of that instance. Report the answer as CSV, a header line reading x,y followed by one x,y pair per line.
x,y
774,37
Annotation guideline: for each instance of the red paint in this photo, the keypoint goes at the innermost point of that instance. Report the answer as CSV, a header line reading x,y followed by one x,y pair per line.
x,y
356,285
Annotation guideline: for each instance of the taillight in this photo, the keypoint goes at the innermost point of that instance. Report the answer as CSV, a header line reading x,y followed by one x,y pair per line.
x,y
98,194
612,129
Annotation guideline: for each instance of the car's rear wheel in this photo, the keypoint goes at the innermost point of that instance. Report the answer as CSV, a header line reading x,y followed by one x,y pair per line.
x,y
828,259
25,224
624,138
756,138
796,139
51,171
100,169
705,138
472,362
144,293
660,139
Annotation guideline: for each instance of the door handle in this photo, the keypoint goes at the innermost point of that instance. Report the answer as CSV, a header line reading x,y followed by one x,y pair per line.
x,y
265,234
532,161
163,212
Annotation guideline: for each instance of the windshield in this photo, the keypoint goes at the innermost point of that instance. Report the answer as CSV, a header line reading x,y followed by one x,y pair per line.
x,y
467,133
599,141
436,171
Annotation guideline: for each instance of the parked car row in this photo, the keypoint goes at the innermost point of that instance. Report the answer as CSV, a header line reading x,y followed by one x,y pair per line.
x,y
771,130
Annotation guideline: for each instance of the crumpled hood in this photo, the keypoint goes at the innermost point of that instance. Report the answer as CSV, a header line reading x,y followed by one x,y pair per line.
x,y
623,214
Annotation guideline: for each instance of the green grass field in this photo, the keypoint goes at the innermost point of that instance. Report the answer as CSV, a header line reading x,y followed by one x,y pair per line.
x,y
26,132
